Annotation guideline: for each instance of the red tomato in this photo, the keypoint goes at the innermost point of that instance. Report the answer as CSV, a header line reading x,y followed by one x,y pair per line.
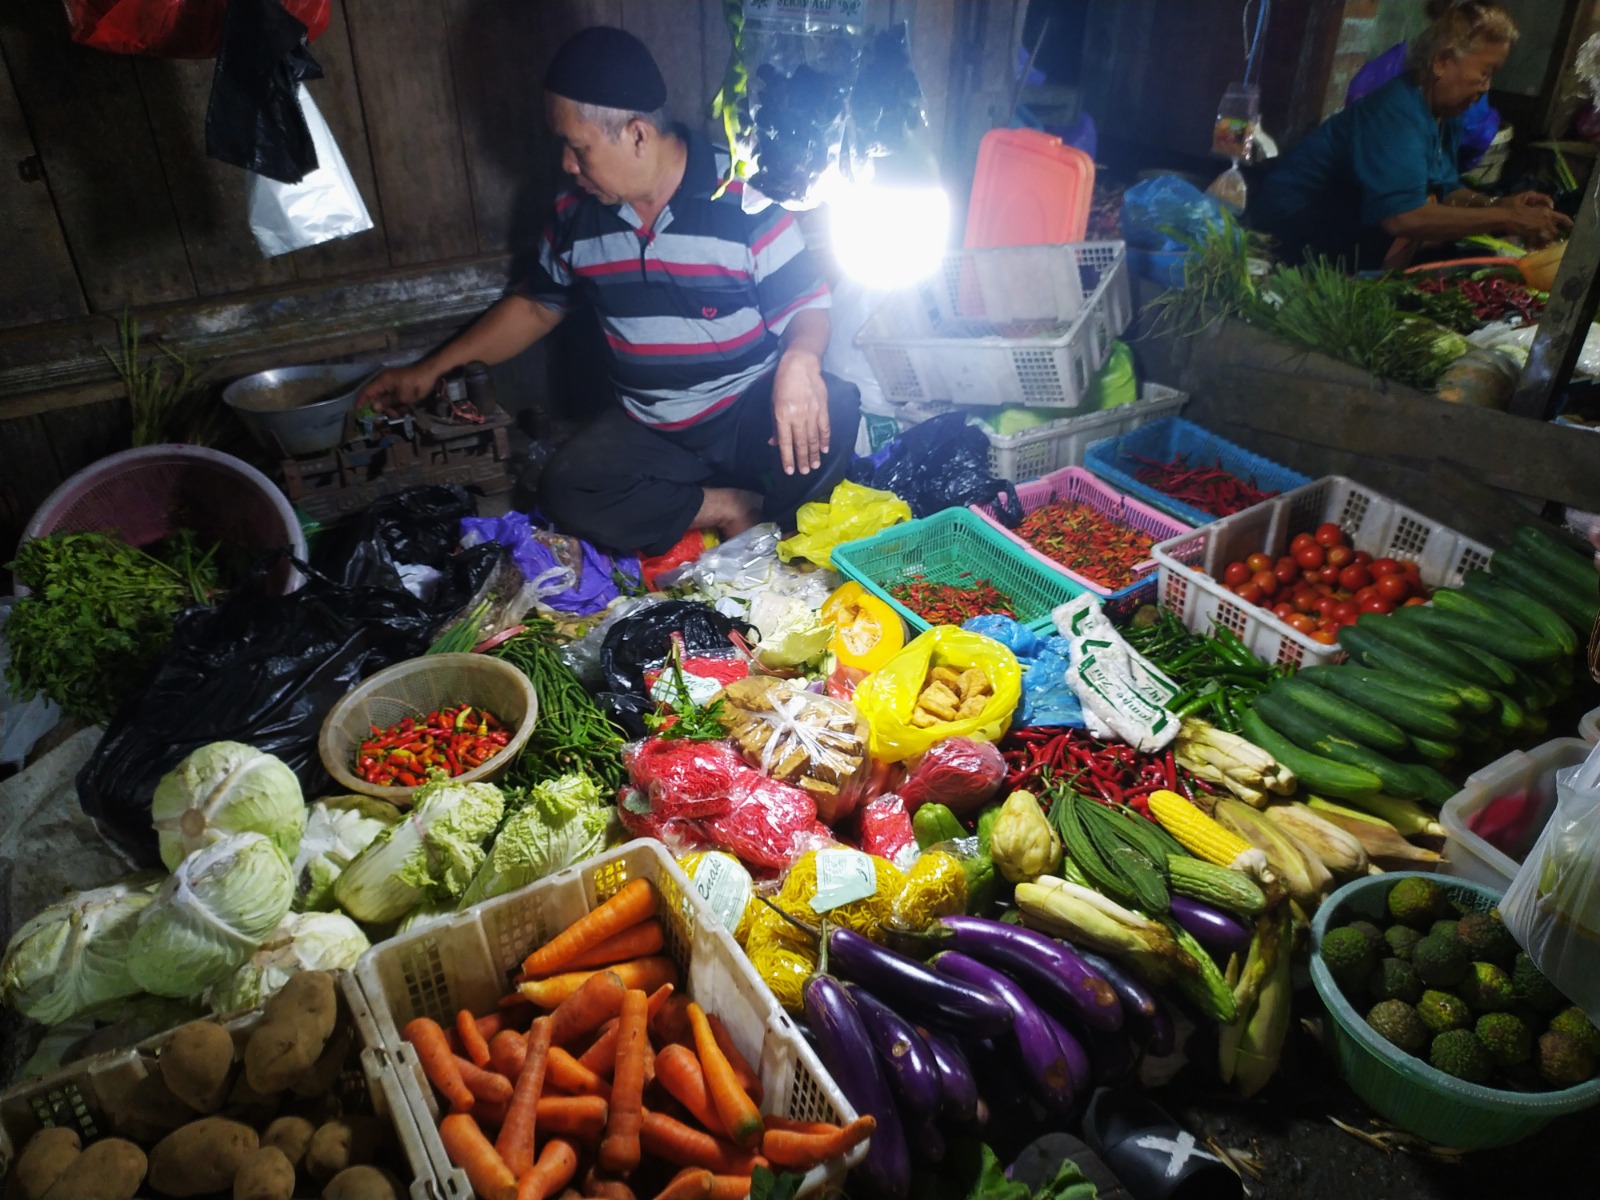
x,y
1266,581
1362,558
1413,600
1329,534
1355,578
1340,556
1377,604
1250,593
1366,593
1393,586
1328,574
1235,574
1344,612
1327,606
1301,623
1326,636
1259,562
1286,571
1309,556
1384,566
1305,600
1300,541
1283,610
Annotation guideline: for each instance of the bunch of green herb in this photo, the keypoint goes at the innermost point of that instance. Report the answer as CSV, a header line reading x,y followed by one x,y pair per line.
x,y
98,614
166,402
572,732
1218,282
684,718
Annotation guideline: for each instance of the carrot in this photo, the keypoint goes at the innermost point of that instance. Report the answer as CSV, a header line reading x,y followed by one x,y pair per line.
x,y
684,1146
679,1072
473,1044
515,1142
596,1000
671,1024
647,974
472,1152
580,1117
508,1049
619,1152
601,1055
791,1126
637,941
691,1183
729,1187
484,1085
514,1013
490,1114
748,1079
557,1163
802,1151
636,902
570,1075
738,1113
659,998
599,1187
427,1038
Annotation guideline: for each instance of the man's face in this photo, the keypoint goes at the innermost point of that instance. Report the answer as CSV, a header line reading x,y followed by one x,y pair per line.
x,y
609,168
1461,81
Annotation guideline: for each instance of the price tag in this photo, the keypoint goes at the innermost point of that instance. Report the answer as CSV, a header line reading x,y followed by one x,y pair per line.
x,y
843,876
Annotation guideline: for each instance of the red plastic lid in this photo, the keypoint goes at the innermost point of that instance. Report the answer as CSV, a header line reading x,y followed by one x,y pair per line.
x,y
1030,189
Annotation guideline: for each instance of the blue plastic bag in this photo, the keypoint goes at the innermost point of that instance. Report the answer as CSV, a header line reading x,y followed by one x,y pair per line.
x,y
1164,203
1046,699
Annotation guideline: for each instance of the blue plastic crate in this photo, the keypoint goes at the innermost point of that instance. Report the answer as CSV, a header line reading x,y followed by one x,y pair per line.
x,y
1113,461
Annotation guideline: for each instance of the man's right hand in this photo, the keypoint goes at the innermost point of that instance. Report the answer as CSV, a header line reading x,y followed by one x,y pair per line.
x,y
1537,224
397,389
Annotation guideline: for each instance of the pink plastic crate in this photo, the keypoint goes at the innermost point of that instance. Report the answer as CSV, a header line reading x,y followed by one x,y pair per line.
x,y
1077,486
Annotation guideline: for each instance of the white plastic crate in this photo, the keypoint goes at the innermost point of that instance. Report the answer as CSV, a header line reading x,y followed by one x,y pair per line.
x,y
1534,772
82,1094
1192,563
1032,453
468,961
1003,326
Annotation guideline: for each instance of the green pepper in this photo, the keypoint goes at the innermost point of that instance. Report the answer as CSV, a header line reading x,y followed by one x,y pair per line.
x,y
934,823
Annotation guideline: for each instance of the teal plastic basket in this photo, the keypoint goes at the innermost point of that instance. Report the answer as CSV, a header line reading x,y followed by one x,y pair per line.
x,y
1405,1090
955,547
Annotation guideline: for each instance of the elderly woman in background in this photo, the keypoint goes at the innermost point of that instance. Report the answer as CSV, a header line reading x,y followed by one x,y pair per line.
x,y
1378,180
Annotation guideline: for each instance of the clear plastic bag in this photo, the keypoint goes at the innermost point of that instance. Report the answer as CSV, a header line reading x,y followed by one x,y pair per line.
x,y
811,741
961,773
888,697
886,830
742,561
1552,907
323,206
683,780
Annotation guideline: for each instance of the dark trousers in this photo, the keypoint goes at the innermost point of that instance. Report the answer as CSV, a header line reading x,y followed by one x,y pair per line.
x,y
626,486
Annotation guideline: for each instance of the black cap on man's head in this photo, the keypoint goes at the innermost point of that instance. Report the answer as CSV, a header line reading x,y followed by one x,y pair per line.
x,y
609,67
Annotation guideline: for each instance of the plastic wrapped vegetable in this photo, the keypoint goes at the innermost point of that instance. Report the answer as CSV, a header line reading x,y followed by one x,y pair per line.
x,y
936,886
1022,843
337,829
814,742
683,779
961,773
850,888
303,942
866,632
768,824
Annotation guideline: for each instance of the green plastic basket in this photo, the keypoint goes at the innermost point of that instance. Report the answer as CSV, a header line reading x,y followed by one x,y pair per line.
x,y
1405,1090
953,547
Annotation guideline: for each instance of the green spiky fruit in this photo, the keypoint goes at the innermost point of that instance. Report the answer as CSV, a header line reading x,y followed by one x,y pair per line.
x,y
1417,902
1486,939
1393,979
1506,1038
1562,1060
1441,1012
1533,989
1440,962
1401,940
1458,1052
1575,1024
1487,988
1397,1022
1349,957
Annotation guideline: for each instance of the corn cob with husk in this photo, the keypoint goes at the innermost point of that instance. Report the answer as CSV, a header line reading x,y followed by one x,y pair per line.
x,y
1204,838
1219,757
1249,1048
1342,853
1299,870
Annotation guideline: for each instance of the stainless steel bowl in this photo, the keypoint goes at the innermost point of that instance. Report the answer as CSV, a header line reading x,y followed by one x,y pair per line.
x,y
299,410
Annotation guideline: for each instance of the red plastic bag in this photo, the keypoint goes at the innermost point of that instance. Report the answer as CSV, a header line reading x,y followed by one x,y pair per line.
x,y
170,28
683,780
960,773
768,824
886,831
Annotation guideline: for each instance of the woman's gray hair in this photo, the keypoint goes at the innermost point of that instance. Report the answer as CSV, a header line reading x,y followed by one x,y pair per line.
x,y
1460,27
614,120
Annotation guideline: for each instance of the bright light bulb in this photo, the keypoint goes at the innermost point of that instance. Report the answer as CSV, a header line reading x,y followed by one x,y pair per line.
x,y
888,236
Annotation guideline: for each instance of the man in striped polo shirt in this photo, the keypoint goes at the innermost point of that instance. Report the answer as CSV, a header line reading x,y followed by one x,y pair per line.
x,y
716,322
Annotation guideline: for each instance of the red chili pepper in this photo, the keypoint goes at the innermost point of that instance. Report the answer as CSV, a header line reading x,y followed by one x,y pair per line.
x,y
1081,538
414,748
1210,489
949,604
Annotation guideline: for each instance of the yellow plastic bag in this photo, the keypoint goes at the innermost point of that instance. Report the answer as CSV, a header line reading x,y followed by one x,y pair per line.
x,y
888,696
850,513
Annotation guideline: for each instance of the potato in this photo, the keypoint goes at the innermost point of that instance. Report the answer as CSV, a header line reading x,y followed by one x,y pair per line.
x,y
299,1021
149,1111
42,1161
265,1175
324,1073
246,1104
110,1169
201,1157
347,1142
196,1064
291,1135
364,1183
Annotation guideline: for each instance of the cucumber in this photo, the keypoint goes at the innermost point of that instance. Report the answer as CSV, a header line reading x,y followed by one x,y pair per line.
x,y
1535,725
1376,654
1505,673
1441,654
1532,690
1435,787
1435,751
1527,648
1397,778
1378,698
1339,715
1289,719
1456,600
1441,698
1556,556
1318,774
1531,612
1511,717
1576,605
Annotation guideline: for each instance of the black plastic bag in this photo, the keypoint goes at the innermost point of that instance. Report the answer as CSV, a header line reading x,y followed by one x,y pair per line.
x,y
263,670
418,525
635,644
941,463
253,119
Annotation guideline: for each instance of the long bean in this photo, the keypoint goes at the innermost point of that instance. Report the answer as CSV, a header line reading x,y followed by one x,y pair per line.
x,y
572,732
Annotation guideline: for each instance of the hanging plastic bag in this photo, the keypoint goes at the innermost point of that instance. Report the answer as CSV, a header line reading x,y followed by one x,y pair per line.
x,y
941,463
894,698
170,28
254,119
1552,907
814,742
322,207
850,513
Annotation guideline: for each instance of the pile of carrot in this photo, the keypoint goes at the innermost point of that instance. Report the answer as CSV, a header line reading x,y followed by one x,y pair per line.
x,y
596,1070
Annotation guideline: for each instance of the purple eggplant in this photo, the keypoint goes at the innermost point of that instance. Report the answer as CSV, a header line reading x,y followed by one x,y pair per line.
x,y
1156,1032
1136,998
927,1143
1055,975
926,996
913,1073
958,1090
1038,1051
1074,1055
1219,932
846,1050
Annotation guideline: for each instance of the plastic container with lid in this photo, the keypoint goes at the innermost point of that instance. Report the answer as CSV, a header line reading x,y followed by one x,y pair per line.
x,y
1029,189
1527,773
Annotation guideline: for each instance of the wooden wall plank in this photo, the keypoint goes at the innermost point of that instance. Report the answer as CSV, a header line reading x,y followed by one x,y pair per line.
x,y
31,474
338,98
673,31
414,128
41,282
211,198
81,435
93,134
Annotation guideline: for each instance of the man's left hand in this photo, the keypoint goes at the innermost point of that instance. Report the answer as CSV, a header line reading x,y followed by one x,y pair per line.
x,y
800,412
1525,200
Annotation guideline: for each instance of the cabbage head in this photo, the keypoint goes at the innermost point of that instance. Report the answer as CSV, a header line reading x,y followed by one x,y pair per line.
x,y
223,788
337,829
219,905
73,956
562,822
303,942
431,855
